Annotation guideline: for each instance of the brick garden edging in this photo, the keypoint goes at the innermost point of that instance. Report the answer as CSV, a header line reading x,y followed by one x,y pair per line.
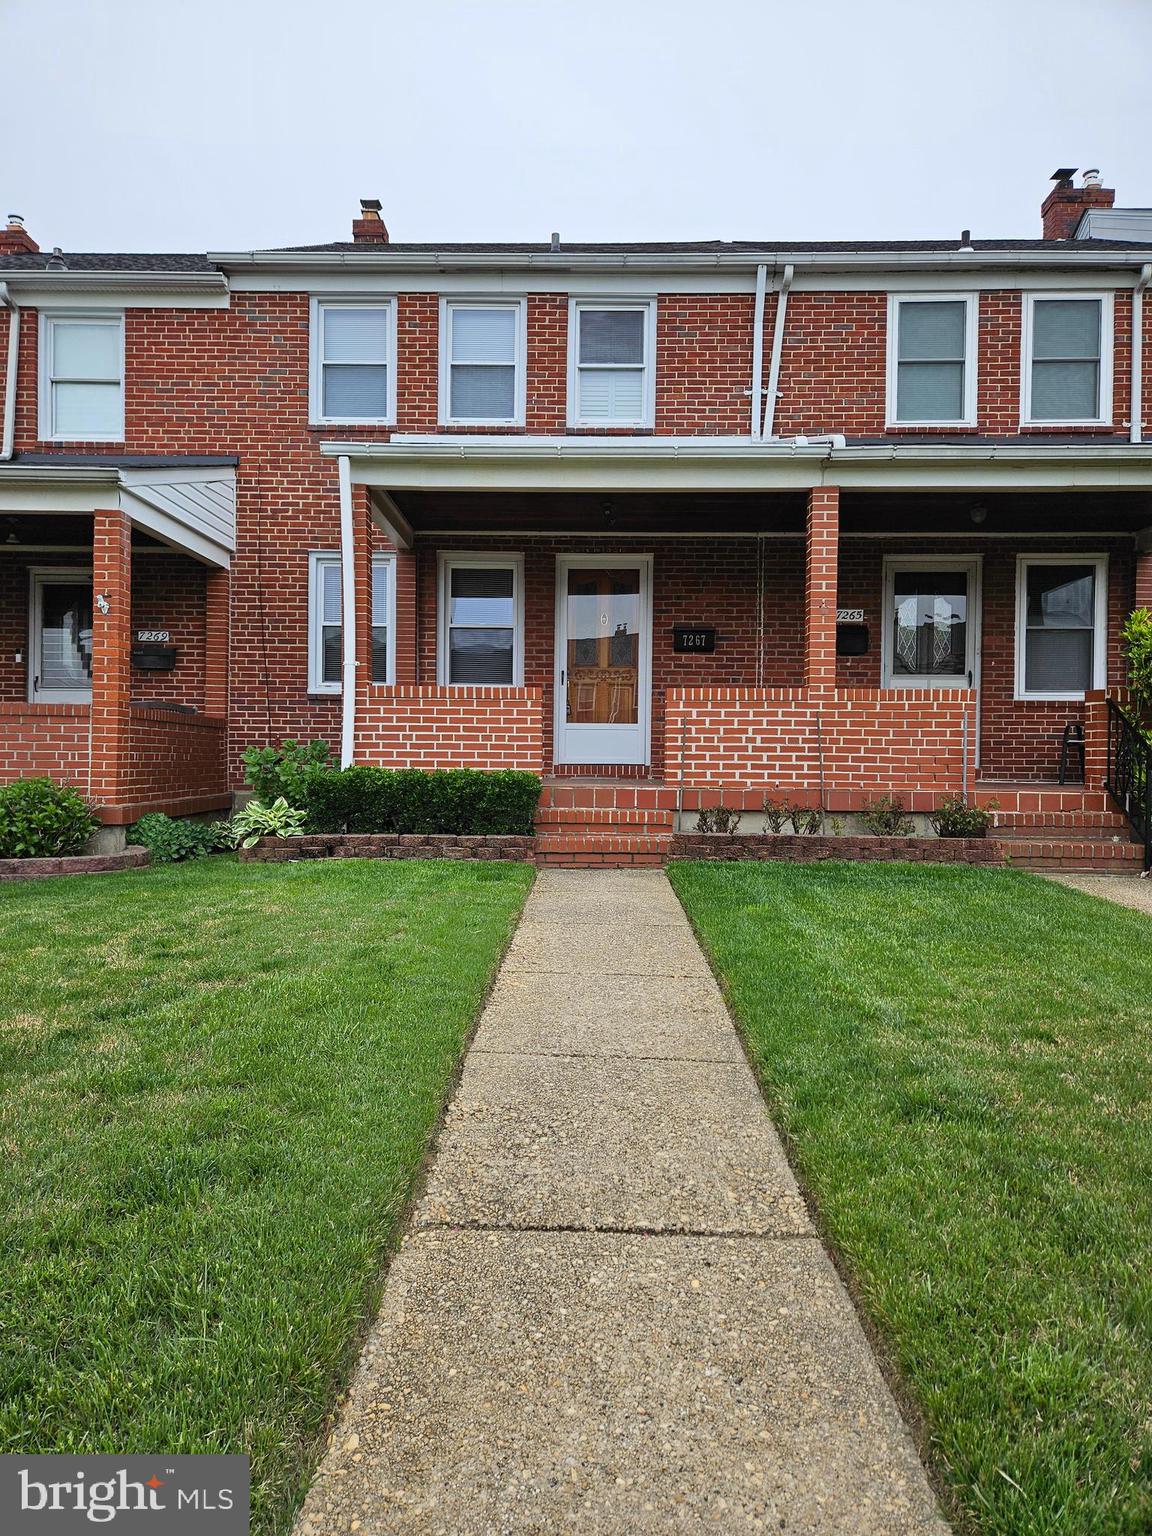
x,y
388,845
808,850
80,864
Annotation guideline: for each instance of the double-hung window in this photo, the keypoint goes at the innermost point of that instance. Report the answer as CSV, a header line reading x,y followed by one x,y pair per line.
x,y
1067,359
325,621
932,360
82,377
481,619
353,367
610,364
1061,607
482,363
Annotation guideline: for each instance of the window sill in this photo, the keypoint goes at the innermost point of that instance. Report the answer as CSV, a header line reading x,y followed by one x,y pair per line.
x,y
350,421
1050,698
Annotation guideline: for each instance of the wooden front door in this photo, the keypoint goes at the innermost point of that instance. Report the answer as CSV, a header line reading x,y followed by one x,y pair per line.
x,y
603,659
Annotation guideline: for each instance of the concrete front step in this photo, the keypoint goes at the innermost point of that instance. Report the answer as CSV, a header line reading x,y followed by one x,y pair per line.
x,y
576,850
1072,853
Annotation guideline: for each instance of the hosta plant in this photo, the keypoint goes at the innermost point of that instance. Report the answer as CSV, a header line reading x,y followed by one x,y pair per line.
x,y
258,820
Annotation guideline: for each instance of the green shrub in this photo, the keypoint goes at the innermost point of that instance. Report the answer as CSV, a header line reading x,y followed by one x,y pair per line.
x,y
954,817
886,817
169,840
718,818
806,819
1136,637
258,820
466,801
40,819
281,772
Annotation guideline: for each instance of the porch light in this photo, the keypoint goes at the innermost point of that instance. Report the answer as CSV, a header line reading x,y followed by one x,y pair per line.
x,y
102,602
978,513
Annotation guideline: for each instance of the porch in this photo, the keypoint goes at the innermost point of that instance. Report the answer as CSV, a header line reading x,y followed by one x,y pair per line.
x,y
113,669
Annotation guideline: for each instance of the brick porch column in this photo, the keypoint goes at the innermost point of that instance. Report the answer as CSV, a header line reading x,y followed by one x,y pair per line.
x,y
822,555
216,611
111,655
362,560
1143,578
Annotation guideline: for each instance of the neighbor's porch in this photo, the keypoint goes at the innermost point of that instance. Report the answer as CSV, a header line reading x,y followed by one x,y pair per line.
x,y
693,640
114,658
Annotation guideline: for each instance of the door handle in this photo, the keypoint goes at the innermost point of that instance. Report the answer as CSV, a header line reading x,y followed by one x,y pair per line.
x,y
969,677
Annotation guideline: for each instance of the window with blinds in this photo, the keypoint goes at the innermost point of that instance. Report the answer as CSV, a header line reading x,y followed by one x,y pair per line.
x,y
1060,619
82,377
1068,363
353,376
326,626
482,368
481,639
610,374
931,361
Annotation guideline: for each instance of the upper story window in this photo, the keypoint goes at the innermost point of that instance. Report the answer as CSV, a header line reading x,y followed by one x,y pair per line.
x,y
611,377
82,377
482,363
932,360
326,627
353,369
1067,359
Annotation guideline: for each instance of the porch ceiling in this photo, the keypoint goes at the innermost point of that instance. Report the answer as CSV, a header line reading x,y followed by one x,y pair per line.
x,y
603,514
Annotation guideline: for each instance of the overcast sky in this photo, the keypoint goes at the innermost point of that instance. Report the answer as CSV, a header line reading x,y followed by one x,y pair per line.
x,y
227,124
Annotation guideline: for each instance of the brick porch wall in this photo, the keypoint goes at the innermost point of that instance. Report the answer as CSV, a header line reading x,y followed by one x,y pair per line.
x,y
432,727
910,741
44,739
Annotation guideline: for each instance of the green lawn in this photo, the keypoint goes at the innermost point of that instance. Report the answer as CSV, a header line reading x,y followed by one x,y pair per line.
x,y
961,1059
216,1084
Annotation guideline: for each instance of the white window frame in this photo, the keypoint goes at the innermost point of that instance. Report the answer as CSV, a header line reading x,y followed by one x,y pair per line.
x,y
49,319
520,390
645,306
971,302
316,416
317,560
447,562
1104,403
1099,621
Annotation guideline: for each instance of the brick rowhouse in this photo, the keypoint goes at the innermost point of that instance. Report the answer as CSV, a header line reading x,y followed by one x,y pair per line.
x,y
763,543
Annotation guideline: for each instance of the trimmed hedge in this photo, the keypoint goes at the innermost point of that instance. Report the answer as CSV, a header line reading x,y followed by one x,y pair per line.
x,y
464,801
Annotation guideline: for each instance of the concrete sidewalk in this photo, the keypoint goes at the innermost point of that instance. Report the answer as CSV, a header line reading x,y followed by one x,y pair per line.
x,y
611,1312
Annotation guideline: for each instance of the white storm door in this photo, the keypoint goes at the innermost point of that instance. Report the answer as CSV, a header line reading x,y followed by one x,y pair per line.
x,y
931,635
603,658
60,638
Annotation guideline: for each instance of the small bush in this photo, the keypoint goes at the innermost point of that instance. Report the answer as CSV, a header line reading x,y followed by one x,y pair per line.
x,y
1136,638
465,801
282,772
806,819
886,817
258,820
954,817
719,818
40,819
776,813
169,840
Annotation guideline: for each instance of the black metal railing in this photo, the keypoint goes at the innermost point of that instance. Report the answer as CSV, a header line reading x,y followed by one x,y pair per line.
x,y
1129,776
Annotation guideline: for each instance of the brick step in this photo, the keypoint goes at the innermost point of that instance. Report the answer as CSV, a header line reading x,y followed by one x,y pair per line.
x,y
1072,854
1055,832
1033,823
567,850
601,794
1041,797
602,819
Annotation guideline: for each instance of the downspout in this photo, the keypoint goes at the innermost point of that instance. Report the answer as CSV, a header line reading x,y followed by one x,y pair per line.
x,y
1137,411
777,349
758,351
8,435
347,616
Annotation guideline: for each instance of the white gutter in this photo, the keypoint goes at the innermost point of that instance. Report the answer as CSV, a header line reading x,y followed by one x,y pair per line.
x,y
1137,411
79,281
758,348
777,351
347,616
8,433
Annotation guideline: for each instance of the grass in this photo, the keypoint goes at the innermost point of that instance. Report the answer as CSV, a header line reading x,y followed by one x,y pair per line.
x,y
217,1083
960,1059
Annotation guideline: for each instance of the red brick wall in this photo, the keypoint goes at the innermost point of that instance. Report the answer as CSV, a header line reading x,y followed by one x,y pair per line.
x,y
431,727
175,762
44,739
872,741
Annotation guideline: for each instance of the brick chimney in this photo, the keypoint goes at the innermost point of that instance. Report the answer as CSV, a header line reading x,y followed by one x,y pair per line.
x,y
1064,206
16,237
369,228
